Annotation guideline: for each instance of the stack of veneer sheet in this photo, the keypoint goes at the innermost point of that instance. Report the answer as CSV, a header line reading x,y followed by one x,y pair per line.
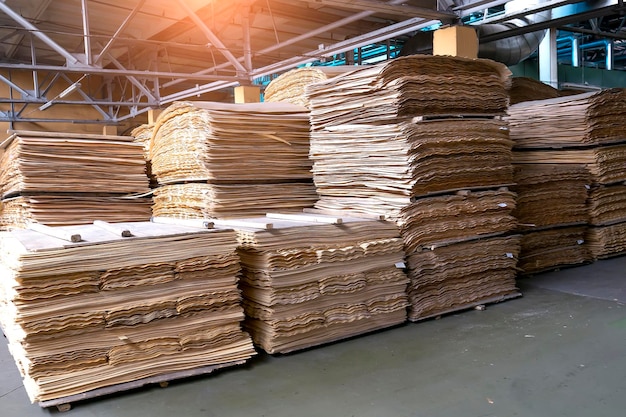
x,y
573,121
307,283
607,216
452,218
552,214
584,129
457,253
528,89
420,140
378,169
451,277
410,86
290,87
143,135
63,179
63,209
548,248
108,310
231,160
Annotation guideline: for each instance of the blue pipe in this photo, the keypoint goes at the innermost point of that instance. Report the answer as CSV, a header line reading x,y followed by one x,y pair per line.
x,y
605,43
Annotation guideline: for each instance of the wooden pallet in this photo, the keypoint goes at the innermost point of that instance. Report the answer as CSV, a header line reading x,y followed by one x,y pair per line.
x,y
65,403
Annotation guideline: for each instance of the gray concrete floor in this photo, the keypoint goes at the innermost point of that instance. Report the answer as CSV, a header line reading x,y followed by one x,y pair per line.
x,y
558,351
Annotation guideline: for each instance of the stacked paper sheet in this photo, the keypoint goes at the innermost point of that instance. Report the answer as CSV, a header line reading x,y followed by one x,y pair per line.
x,y
605,164
607,204
419,140
109,310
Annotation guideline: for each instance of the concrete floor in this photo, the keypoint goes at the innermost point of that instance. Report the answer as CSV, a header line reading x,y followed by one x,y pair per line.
x,y
558,351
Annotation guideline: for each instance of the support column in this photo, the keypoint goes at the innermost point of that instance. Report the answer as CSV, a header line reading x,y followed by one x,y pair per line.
x,y
109,130
152,115
247,94
548,61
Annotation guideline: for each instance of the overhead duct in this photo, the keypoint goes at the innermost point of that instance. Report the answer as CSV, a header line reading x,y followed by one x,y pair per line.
x,y
509,51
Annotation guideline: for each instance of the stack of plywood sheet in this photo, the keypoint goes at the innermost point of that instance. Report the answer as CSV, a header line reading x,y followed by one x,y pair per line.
x,y
290,87
588,130
226,160
552,214
84,308
63,179
307,283
419,140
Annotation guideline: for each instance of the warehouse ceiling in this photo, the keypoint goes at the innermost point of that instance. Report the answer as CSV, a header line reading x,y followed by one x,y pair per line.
x,y
149,53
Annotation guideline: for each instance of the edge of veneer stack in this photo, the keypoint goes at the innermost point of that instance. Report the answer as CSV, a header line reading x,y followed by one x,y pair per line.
x,y
102,249
328,237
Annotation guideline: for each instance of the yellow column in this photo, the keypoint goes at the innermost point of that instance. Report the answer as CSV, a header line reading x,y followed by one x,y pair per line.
x,y
109,130
456,41
152,115
247,94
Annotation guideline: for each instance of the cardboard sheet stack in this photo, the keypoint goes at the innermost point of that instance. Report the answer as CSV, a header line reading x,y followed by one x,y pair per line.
x,y
552,214
64,179
108,310
216,160
419,140
307,283
588,130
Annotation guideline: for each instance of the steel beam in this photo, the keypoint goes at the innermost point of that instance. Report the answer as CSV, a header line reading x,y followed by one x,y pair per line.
x,y
134,80
219,45
324,29
43,5
119,30
551,23
389,8
43,37
14,86
537,8
388,32
119,73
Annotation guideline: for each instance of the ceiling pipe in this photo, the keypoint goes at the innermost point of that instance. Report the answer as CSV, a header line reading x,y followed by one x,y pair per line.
x,y
510,50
